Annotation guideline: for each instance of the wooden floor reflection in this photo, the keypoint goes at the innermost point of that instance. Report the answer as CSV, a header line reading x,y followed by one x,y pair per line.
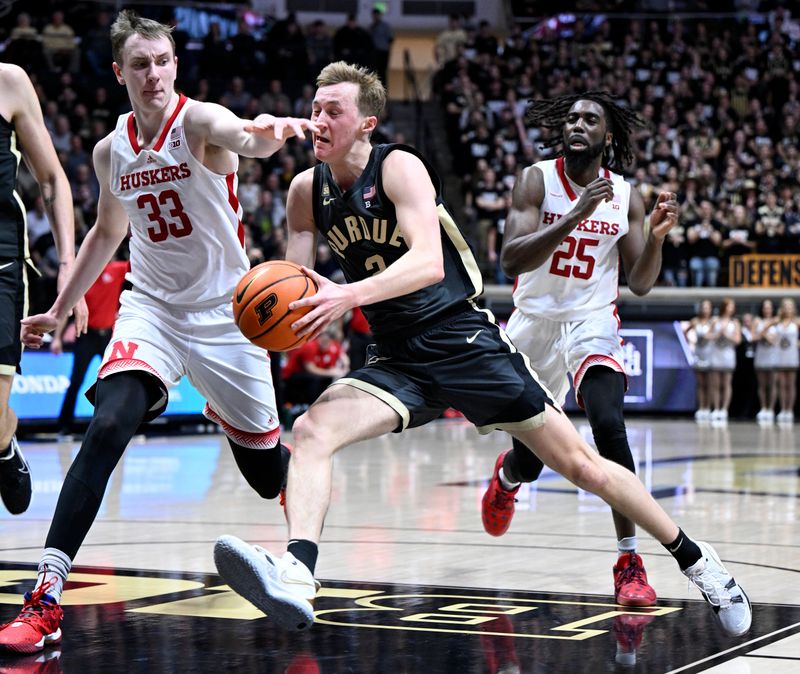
x,y
411,583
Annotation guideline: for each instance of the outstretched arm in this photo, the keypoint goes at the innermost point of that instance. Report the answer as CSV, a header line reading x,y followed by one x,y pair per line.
x,y
260,137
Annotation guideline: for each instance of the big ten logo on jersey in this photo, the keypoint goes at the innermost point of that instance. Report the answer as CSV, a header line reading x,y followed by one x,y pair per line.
x,y
175,137
368,194
264,308
637,349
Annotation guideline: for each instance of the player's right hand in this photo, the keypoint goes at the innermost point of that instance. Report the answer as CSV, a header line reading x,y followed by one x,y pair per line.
x,y
600,189
34,328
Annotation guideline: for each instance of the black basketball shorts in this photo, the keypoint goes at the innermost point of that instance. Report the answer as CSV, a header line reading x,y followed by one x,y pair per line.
x,y
466,362
13,301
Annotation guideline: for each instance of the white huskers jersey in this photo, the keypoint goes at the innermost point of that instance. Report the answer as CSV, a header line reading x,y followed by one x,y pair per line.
x,y
187,238
582,274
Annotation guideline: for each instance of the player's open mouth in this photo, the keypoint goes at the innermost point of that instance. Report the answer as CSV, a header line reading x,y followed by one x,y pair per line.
x,y
320,139
577,142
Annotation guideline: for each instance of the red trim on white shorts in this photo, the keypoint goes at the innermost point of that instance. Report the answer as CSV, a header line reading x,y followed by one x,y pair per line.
x,y
244,438
126,364
589,361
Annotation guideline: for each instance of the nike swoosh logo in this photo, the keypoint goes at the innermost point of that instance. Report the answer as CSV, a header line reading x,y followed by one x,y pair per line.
x,y
7,264
376,359
241,293
474,337
327,200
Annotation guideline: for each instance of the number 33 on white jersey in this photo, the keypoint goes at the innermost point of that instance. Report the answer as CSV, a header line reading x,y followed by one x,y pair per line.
x,y
187,238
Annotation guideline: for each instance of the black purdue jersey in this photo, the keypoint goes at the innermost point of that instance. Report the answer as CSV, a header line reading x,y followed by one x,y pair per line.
x,y
12,213
361,228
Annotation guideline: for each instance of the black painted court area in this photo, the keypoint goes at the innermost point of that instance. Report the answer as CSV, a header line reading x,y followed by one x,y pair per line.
x,y
368,627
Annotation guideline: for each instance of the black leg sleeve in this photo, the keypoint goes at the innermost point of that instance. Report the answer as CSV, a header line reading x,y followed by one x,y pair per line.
x,y
120,405
603,393
264,469
521,464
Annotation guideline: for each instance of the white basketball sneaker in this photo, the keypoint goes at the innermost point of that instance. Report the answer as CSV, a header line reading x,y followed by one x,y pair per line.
x,y
281,587
728,600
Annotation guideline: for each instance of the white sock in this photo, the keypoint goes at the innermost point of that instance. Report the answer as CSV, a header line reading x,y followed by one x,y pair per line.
x,y
626,545
54,565
508,485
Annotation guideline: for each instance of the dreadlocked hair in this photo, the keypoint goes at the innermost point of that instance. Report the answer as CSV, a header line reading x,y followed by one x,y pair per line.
x,y
551,114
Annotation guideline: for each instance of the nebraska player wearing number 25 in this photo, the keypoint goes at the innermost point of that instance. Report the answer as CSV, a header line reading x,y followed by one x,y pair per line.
x,y
571,219
168,169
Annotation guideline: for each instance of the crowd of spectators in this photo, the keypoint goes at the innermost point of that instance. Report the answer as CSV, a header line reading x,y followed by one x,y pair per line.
x,y
272,71
721,97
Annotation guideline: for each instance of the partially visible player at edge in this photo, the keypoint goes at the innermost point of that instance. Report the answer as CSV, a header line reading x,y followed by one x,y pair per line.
x,y
168,168
23,134
413,274
571,219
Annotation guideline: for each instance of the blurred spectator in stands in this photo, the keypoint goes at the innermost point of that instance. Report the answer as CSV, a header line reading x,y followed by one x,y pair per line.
x,y
738,238
61,135
787,326
250,189
76,156
704,238
320,48
769,229
275,98
674,260
244,51
287,57
24,46
214,62
382,37
352,43
303,105
236,97
96,46
765,337
450,41
310,369
725,336
324,264
36,221
59,46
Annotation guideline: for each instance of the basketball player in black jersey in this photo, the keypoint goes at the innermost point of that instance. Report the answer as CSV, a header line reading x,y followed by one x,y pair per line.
x,y
23,133
410,270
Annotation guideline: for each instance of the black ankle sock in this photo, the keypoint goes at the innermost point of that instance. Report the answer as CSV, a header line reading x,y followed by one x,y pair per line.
x,y
305,551
685,551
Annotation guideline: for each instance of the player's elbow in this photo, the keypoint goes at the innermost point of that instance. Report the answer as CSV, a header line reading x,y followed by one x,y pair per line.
x,y
435,271
511,264
639,289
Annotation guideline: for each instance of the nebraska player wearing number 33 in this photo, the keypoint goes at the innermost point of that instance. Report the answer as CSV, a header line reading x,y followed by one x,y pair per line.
x,y
169,168
571,218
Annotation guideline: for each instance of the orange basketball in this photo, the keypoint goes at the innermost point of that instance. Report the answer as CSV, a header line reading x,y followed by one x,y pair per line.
x,y
261,304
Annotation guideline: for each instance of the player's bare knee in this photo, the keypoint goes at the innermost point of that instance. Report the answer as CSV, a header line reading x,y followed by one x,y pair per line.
x,y
309,439
588,475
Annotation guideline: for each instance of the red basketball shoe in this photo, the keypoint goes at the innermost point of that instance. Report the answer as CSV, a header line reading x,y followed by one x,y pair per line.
x,y
37,625
630,582
497,506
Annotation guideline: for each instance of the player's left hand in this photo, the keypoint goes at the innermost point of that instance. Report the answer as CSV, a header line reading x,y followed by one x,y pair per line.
x,y
664,216
280,128
331,301
80,317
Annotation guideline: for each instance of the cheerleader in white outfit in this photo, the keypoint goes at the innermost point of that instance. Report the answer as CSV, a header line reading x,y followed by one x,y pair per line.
x,y
699,329
766,340
726,333
786,362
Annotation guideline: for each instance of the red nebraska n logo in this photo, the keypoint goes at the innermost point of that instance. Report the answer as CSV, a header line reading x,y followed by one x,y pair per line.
x,y
122,351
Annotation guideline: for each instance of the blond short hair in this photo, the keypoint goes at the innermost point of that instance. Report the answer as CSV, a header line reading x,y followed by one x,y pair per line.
x,y
130,23
371,92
